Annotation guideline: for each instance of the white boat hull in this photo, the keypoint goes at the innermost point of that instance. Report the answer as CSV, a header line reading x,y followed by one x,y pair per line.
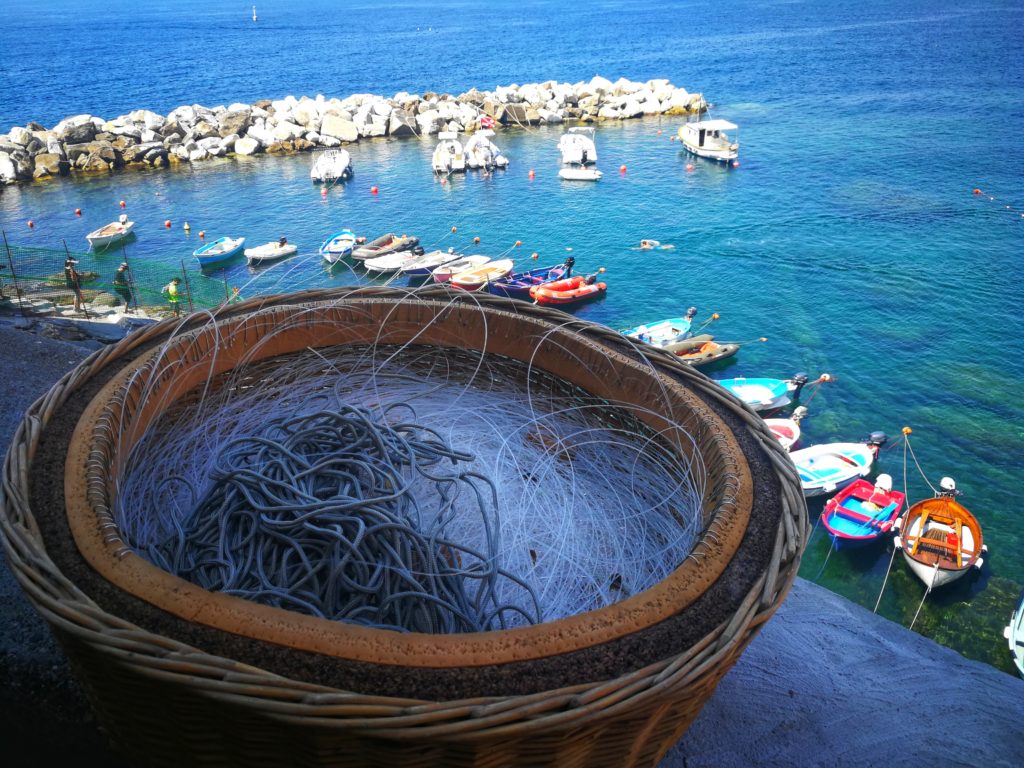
x,y
99,241
831,467
580,174
265,253
926,573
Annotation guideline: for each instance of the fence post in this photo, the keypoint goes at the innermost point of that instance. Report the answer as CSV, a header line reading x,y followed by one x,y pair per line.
x,y
14,274
77,288
188,289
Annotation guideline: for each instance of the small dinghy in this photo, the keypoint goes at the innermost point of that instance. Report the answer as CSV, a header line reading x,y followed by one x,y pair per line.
x,y
384,244
862,512
270,251
423,265
832,466
482,153
476,278
941,540
765,394
580,174
449,155
338,246
666,334
112,233
444,273
518,284
392,262
570,290
220,250
331,165
1014,634
787,430
705,352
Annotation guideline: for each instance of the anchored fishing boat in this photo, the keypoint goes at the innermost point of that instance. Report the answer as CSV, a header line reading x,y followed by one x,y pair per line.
x,y
941,540
577,146
481,152
423,265
766,394
708,138
220,250
338,246
449,155
665,334
1014,634
702,351
110,234
392,262
444,273
270,251
829,467
518,284
787,430
862,512
568,291
384,244
477,277
330,165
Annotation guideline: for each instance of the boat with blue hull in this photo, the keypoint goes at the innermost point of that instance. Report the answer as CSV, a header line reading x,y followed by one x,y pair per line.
x,y
518,284
765,394
338,246
219,251
862,512
833,466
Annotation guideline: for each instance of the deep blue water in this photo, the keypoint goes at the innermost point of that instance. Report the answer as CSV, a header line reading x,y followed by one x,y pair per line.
x,y
849,235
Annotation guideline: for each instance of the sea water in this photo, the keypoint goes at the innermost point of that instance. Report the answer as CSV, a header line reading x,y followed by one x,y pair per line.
x,y
850,235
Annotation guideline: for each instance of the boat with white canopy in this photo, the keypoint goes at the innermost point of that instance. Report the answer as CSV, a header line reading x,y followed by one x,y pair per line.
x,y
449,155
709,138
331,165
483,153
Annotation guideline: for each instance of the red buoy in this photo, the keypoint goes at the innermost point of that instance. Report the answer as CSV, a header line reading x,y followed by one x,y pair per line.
x,y
443,181
78,211
167,223
122,203
977,191
518,243
476,239
31,224
735,163
202,233
531,174
373,190
689,167
622,169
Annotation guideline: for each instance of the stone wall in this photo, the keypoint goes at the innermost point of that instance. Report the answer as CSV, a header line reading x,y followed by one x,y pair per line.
x,y
86,144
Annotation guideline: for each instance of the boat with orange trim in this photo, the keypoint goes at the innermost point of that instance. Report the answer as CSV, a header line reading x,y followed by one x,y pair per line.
x,y
570,290
703,352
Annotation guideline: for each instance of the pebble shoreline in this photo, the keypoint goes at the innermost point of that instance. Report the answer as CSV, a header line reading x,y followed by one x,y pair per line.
x,y
85,144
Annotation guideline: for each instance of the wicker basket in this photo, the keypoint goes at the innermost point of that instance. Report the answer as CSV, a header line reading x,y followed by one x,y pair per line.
x,y
180,676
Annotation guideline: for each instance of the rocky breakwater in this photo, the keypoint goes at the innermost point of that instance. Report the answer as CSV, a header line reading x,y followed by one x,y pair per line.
x,y
86,144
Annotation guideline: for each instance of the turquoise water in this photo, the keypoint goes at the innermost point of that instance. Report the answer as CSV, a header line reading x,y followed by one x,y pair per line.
x,y
849,236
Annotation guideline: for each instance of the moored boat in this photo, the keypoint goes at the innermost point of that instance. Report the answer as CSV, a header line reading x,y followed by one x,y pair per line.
x,y
270,251
477,277
110,234
518,284
862,511
708,138
941,540
580,174
570,290
443,273
787,431
338,246
666,334
449,155
829,467
392,262
220,250
483,153
704,352
384,244
577,146
1014,634
765,394
423,265
330,165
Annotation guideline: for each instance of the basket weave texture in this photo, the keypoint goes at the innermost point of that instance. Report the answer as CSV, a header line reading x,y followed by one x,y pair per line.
x,y
164,702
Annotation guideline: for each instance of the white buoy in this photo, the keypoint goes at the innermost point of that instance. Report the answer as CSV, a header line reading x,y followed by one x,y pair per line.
x,y
254,13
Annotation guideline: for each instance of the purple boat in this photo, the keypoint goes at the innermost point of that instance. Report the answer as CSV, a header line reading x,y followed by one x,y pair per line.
x,y
518,285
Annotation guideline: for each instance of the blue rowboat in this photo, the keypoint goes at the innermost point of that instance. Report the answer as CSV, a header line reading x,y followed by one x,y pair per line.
x,y
338,246
666,333
221,249
518,285
765,394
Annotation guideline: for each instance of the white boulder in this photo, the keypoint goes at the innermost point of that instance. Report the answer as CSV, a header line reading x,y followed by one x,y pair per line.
x,y
287,131
21,136
339,127
247,146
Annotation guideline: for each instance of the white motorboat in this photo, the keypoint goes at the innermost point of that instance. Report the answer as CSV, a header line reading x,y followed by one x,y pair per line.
x,y
580,174
423,265
331,165
475,278
708,138
270,251
220,250
110,234
444,273
765,394
1014,634
449,155
941,540
577,146
338,246
391,262
787,430
665,333
832,466
481,152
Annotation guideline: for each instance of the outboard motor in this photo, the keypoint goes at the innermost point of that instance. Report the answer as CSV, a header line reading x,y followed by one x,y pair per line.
x,y
418,250
947,487
884,483
799,412
691,313
877,439
799,379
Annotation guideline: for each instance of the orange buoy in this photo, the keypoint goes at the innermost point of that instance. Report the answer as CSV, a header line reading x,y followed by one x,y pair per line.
x,y
323,191
476,239
122,203
671,138
167,223
735,163
531,174
78,211
977,191
659,132
534,256
373,190
443,181
622,169
202,233
31,224
455,229
601,270
518,243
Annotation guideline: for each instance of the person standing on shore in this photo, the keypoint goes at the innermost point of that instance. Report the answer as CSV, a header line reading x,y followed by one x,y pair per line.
x,y
73,279
122,284
173,297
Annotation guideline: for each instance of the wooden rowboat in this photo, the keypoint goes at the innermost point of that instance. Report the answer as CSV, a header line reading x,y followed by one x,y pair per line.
x,y
476,278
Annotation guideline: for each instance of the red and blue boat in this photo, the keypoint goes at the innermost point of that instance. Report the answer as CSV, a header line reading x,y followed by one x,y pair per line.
x,y
862,512
518,285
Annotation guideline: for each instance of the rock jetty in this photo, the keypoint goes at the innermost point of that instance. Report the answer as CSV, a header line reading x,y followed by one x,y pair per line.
x,y
86,144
